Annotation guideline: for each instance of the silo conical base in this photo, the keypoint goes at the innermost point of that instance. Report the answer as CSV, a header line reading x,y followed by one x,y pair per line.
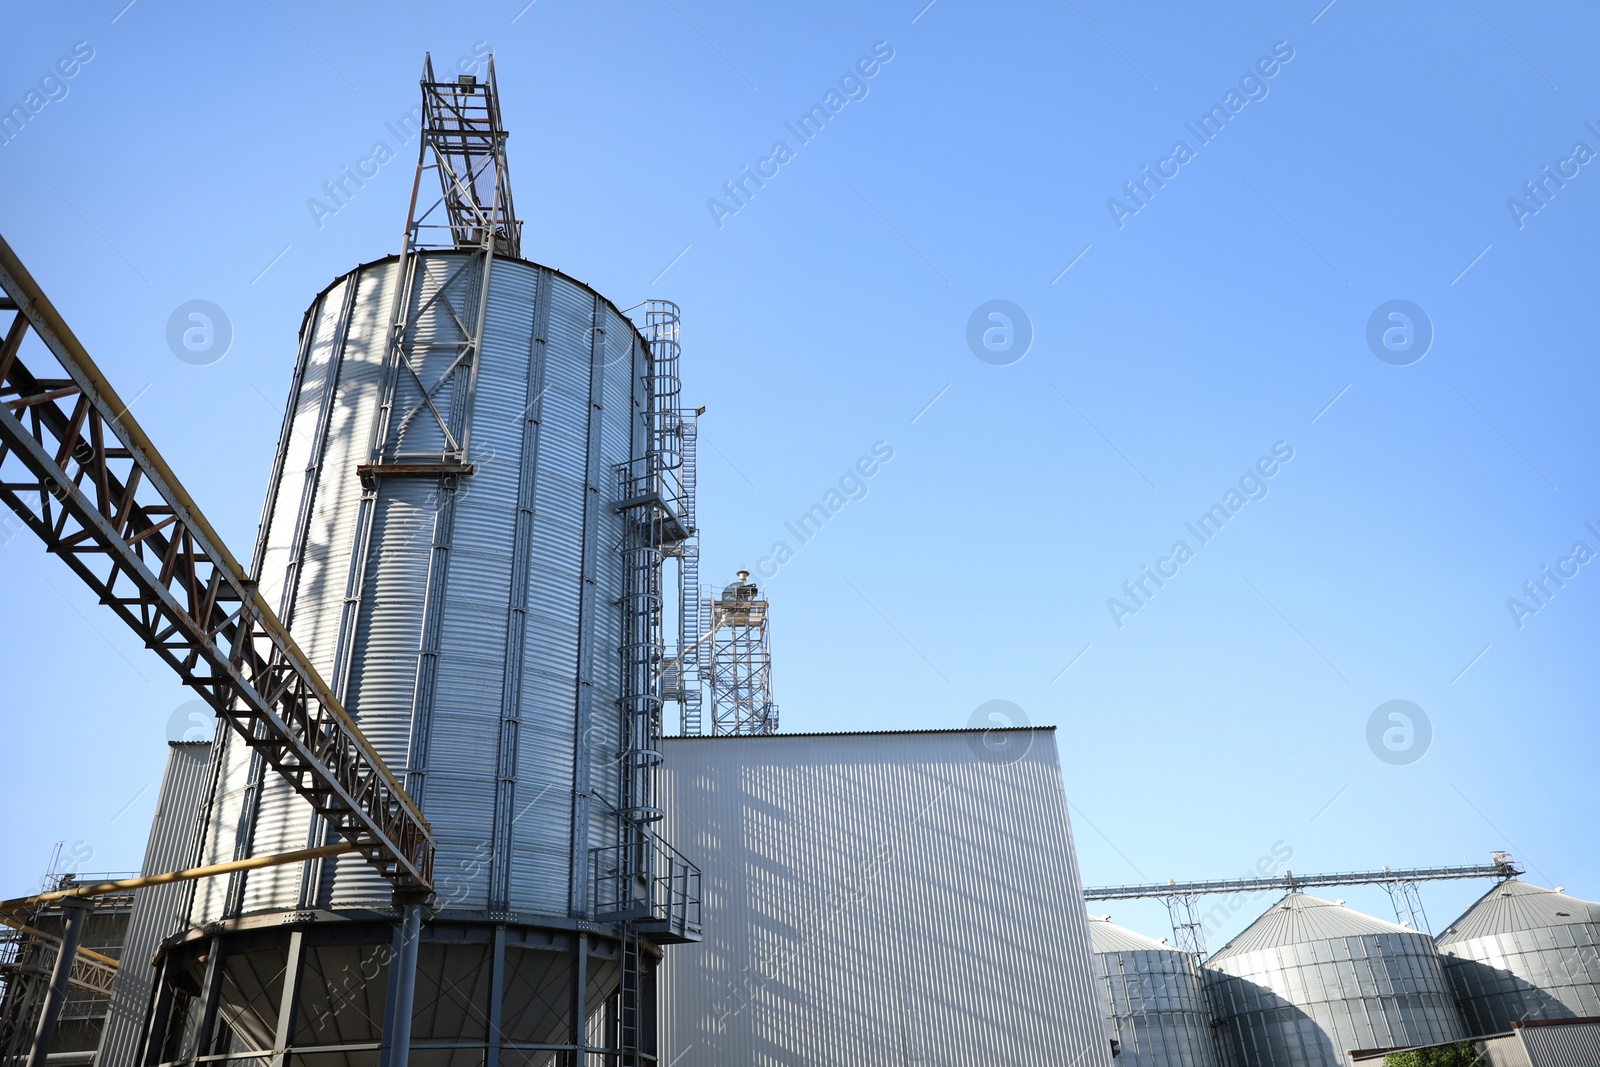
x,y
315,986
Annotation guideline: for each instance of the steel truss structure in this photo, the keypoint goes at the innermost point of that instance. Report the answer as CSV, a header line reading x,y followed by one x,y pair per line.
x,y
463,131
464,143
80,473
1182,898
91,972
740,661
29,957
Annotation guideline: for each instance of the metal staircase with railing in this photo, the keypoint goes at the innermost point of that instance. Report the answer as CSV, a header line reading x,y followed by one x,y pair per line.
x,y
640,882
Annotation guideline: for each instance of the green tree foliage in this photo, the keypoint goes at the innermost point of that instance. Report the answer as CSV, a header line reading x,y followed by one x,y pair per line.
x,y
1460,1054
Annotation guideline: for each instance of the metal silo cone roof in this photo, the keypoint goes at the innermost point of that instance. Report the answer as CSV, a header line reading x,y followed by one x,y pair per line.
x,y
1107,936
1299,918
1514,906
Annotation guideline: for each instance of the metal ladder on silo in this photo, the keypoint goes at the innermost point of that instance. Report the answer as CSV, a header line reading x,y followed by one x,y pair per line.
x,y
689,613
629,1007
689,630
689,432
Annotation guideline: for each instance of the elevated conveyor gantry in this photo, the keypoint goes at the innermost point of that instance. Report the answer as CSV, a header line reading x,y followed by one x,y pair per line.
x,y
78,470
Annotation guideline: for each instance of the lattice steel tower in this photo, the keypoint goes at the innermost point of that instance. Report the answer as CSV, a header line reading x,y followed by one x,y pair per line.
x,y
740,660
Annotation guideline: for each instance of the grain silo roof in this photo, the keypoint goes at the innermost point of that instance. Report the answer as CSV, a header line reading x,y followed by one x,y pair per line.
x,y
1299,918
1107,936
1512,906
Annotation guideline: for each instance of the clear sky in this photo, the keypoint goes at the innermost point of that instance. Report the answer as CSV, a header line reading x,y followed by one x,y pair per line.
x,y
1369,153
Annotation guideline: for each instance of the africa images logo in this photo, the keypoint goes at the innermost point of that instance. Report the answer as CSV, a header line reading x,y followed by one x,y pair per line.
x,y
1005,737
199,332
191,721
1399,732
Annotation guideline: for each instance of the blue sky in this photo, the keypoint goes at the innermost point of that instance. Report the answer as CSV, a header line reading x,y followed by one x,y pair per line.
x,y
1172,348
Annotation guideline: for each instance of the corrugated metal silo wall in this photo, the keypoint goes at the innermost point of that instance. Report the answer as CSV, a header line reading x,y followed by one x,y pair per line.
x,y
1548,973
550,417
1575,1045
1308,1004
1156,1009
878,900
157,910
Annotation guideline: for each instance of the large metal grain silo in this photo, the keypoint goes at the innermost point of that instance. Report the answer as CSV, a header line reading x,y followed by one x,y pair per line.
x,y
463,531
1311,980
1523,953
448,608
1154,1003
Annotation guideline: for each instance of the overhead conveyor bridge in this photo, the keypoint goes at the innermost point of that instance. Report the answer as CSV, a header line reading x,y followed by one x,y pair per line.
x,y
78,470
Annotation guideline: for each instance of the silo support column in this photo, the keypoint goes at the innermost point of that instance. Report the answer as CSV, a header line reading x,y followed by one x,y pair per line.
x,y
158,1021
497,981
580,983
402,989
74,916
205,1037
283,1034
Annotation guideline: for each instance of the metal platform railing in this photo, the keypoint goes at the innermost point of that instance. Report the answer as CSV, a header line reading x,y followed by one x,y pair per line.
x,y
660,897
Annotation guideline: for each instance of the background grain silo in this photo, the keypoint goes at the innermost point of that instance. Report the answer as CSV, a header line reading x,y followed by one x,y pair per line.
x,y
1311,980
1522,953
1155,1004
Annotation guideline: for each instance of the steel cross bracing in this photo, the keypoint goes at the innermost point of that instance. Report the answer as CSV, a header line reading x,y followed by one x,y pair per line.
x,y
463,142
91,972
1406,900
78,470
1291,882
1188,932
29,956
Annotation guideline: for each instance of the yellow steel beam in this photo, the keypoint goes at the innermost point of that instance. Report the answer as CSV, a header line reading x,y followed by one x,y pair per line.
x,y
193,873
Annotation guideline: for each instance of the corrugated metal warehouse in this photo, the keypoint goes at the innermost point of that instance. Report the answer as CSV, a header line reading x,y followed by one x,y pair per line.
x,y
162,909
879,899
